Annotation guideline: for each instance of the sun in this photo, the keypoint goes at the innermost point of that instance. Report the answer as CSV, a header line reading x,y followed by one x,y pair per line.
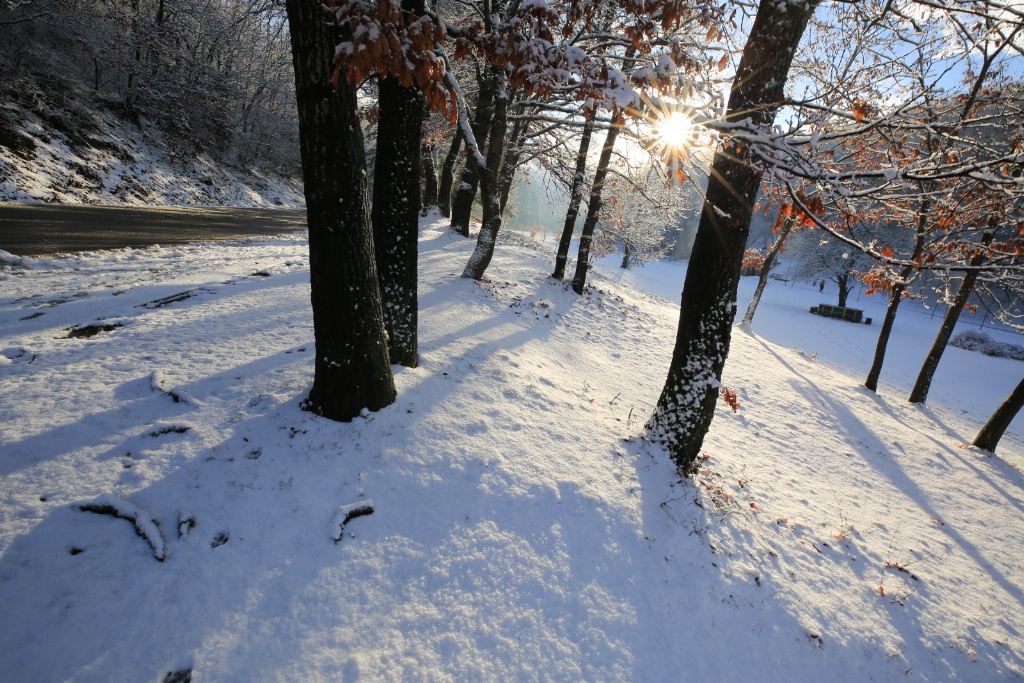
x,y
673,137
675,131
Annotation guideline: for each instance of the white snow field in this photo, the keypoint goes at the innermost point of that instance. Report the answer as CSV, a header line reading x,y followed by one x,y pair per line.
x,y
168,513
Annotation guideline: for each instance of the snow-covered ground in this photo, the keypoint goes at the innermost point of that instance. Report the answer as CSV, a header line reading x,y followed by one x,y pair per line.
x,y
117,162
520,529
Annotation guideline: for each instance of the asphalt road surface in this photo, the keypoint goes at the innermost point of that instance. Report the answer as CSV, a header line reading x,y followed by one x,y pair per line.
x,y
39,230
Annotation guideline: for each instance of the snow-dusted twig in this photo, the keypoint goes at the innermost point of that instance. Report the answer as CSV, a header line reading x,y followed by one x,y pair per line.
x,y
347,513
146,525
464,125
161,382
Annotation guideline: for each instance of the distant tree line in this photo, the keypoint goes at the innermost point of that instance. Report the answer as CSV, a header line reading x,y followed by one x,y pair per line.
x,y
214,76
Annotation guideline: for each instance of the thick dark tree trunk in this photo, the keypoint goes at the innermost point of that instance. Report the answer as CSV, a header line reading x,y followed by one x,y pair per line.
x,y
931,362
444,189
843,280
988,437
396,209
352,370
465,193
687,402
766,267
579,279
575,197
481,257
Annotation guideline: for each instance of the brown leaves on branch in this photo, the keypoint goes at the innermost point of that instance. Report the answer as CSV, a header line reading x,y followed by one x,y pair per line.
x,y
753,258
378,37
730,398
878,279
802,218
860,110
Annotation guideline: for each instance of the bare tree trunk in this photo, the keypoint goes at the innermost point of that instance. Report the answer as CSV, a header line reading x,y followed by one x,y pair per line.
x,y
444,190
510,163
769,261
843,280
428,167
579,279
429,170
687,403
895,297
575,197
465,193
352,370
988,437
481,256
396,209
931,362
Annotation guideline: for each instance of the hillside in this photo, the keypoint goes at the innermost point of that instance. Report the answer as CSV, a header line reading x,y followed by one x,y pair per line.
x,y
68,145
520,528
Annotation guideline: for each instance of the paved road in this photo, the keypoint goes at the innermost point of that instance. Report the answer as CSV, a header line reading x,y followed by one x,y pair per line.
x,y
37,230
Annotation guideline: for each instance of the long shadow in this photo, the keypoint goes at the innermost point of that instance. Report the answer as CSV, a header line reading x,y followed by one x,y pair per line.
x,y
462,358
458,565
136,302
852,425
1011,474
136,396
735,593
462,565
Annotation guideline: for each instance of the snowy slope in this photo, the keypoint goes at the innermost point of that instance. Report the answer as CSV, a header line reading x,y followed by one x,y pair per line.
x,y
90,155
520,529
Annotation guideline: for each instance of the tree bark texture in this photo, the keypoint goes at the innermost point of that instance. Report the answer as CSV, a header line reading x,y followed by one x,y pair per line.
x,y
428,167
579,279
510,162
686,406
766,267
627,255
988,437
481,256
465,193
843,280
444,188
395,214
352,370
575,197
895,297
931,361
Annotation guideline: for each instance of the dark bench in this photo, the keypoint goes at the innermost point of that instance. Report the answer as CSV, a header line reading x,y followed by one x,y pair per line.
x,y
853,315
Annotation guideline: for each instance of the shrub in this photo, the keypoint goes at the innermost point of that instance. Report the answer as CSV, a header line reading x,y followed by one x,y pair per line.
x,y
971,340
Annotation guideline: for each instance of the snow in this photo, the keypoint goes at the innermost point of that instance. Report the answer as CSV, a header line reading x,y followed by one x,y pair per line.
x,y
137,169
145,526
521,529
